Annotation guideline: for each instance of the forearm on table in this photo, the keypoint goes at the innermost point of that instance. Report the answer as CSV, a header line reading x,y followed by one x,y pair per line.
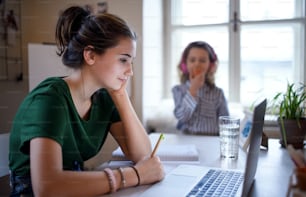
x,y
133,136
71,183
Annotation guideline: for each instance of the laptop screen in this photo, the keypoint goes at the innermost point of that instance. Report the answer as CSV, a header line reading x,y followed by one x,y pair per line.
x,y
253,151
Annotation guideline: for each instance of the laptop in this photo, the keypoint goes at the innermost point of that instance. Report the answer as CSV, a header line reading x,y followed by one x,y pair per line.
x,y
187,179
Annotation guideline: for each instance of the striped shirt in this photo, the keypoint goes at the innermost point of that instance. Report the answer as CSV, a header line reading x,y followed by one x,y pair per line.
x,y
199,115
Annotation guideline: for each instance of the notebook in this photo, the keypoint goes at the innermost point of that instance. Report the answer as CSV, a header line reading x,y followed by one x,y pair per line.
x,y
183,179
184,153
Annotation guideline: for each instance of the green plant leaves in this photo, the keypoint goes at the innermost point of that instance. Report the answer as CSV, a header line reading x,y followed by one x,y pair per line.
x,y
290,104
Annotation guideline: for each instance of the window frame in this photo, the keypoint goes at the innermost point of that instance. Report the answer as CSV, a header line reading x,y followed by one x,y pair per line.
x,y
234,46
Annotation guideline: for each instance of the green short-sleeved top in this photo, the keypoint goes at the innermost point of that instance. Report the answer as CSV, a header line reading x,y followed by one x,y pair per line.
x,y
48,111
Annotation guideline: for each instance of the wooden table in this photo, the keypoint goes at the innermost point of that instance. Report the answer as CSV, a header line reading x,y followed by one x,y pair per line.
x,y
273,171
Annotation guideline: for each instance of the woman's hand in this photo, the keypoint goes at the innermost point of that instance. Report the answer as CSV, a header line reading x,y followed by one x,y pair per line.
x,y
120,92
150,170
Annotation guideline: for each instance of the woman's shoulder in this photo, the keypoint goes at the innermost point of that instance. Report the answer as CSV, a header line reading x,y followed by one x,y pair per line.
x,y
214,88
218,89
180,87
51,83
53,80
213,91
55,87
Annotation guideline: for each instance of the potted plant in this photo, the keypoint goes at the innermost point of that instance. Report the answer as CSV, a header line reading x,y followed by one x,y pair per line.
x,y
291,115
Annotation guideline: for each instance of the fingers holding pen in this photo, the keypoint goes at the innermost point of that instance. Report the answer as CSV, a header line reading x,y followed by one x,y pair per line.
x,y
150,170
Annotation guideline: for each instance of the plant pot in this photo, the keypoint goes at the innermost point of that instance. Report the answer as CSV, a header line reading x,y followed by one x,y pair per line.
x,y
295,135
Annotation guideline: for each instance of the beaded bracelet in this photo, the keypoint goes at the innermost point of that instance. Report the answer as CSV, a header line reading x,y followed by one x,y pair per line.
x,y
111,179
123,181
138,177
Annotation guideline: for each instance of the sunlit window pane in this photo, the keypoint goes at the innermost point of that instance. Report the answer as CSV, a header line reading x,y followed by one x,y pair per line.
x,y
268,9
196,12
267,61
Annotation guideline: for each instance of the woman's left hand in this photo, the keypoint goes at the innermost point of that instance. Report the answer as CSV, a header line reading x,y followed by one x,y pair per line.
x,y
120,92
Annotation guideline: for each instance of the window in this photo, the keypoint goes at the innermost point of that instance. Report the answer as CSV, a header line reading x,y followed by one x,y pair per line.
x,y
259,50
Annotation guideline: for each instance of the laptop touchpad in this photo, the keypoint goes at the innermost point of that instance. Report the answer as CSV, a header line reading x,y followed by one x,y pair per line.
x,y
171,185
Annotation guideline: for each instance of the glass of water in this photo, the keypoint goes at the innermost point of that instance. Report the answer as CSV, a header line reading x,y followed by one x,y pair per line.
x,y
229,137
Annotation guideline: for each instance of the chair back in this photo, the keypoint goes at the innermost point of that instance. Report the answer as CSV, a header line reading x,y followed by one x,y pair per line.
x,y
4,164
4,151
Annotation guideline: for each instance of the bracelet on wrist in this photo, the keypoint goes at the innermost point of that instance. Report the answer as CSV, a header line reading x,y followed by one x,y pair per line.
x,y
137,174
123,181
111,179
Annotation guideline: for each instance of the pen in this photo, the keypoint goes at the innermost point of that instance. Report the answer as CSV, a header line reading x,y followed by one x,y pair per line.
x,y
157,144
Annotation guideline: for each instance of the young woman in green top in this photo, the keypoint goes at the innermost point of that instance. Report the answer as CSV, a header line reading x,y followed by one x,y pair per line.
x,y
65,120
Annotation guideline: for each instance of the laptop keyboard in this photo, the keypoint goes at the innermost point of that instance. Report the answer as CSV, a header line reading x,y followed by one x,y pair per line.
x,y
217,183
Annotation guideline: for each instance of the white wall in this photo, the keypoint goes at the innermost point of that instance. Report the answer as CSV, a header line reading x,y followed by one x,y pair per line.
x,y
43,63
132,12
152,60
